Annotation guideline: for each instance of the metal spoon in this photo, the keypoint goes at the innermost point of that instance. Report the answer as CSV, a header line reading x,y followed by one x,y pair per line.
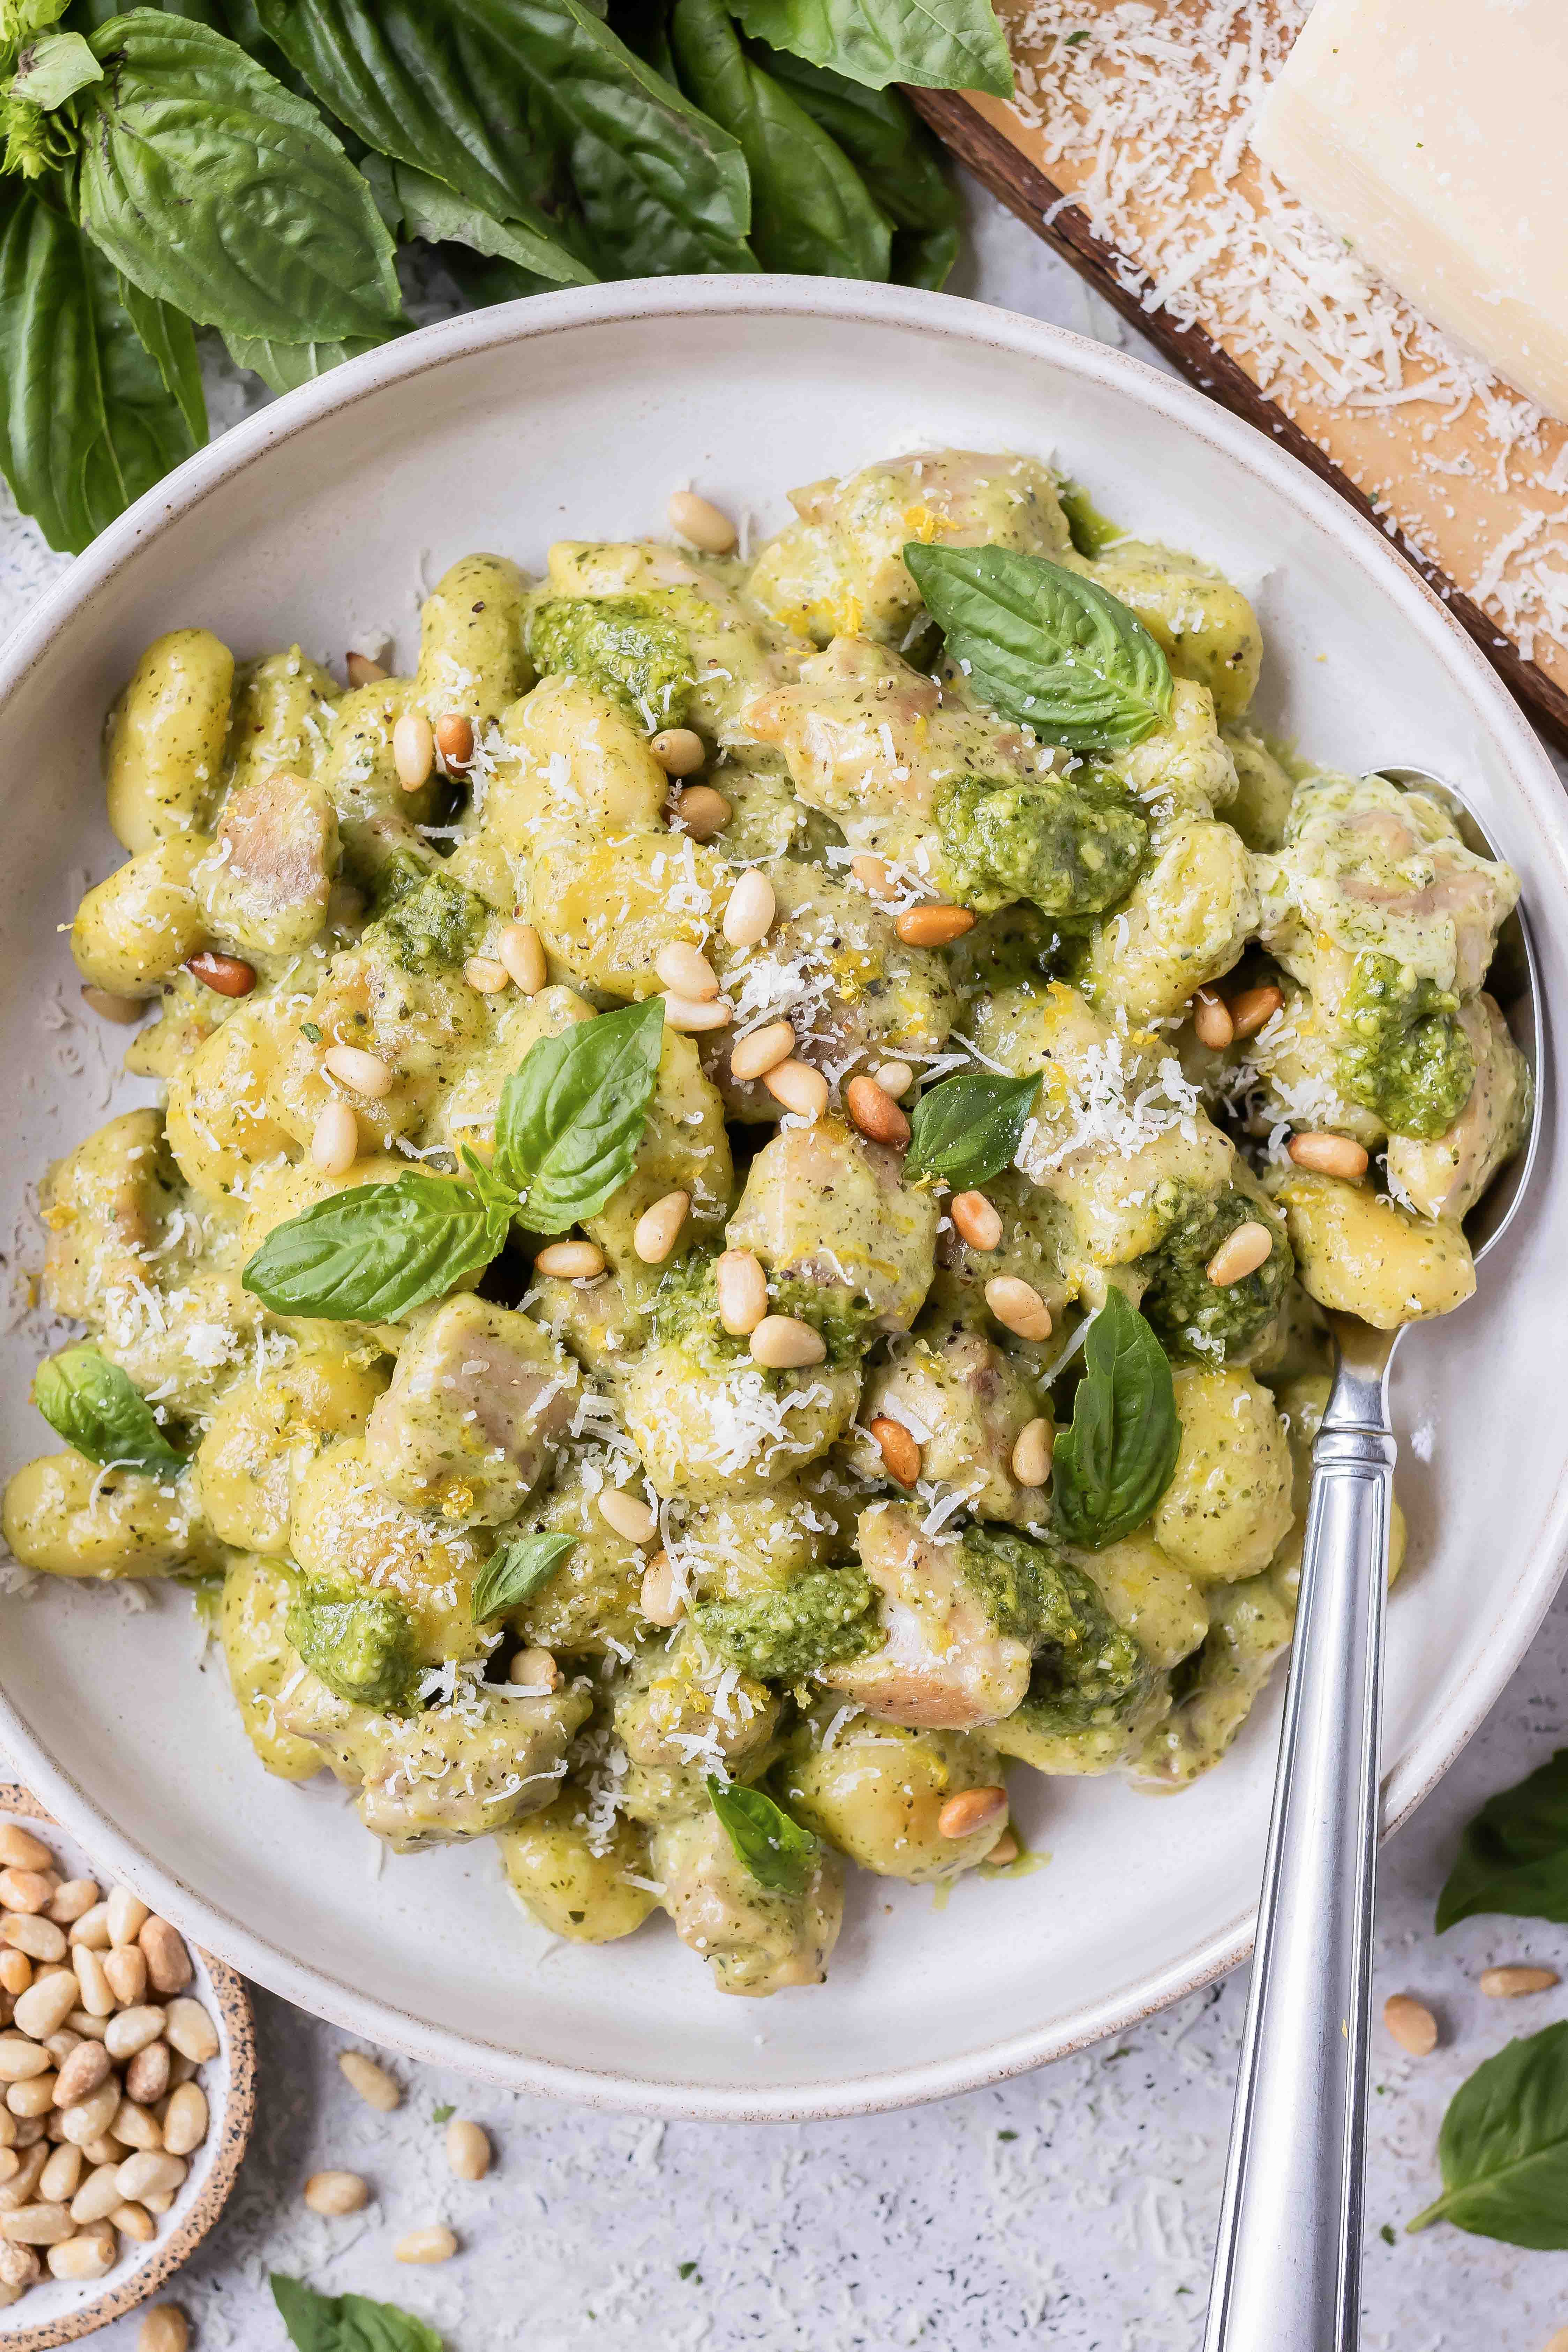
x,y
1287,2275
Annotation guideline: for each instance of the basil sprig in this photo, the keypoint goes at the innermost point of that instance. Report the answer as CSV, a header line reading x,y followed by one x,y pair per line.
x,y
968,1128
1503,2146
566,1138
97,1408
347,2323
515,1571
1116,1460
1046,647
1513,1857
768,1842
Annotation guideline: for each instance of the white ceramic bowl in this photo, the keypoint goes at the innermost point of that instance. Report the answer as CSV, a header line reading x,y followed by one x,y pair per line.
x,y
578,412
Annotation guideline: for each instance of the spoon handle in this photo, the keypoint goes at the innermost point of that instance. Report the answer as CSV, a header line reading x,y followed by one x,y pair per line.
x,y
1287,2273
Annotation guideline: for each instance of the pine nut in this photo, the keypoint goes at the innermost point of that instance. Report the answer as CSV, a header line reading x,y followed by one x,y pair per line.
x,y
76,1897
190,2032
900,1455
26,1890
521,950
1211,1019
375,2086
661,1600
168,1962
455,741
701,810
10,2162
536,1669
760,1050
872,874
19,2266
687,971
800,1088
334,1140
164,2328
150,2169
971,1810
91,2028
657,1229
1019,1306
19,1850
180,2068
701,523
89,2256
186,2119
88,2119
104,2149
743,1289
1330,1155
680,751
1032,1451
225,975
571,1261
628,1515
784,1344
1411,2023
16,1972
30,1932
413,750
158,2202
44,2007
122,1010
132,2030
92,1929
876,1114
1508,1983
694,1016
97,1992
895,1078
468,2149
433,2245
932,926
135,2127
147,2078
61,2176
21,2058
1252,1008
136,2222
1240,1253
37,2225
484,973
336,2192
1004,1850
753,904
126,1970
363,670
977,1220
34,2097
22,2187
363,1073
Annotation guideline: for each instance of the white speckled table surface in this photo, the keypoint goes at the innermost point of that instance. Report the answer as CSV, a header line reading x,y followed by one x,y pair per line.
x,y
1072,2208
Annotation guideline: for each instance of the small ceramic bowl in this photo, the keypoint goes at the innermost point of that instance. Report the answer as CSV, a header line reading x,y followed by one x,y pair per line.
x,y
59,2311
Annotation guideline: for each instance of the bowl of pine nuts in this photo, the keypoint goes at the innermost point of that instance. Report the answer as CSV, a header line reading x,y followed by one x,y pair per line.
x,y
127,2093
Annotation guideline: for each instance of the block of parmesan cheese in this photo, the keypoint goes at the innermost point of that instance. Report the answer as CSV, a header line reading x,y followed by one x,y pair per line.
x,y
1433,136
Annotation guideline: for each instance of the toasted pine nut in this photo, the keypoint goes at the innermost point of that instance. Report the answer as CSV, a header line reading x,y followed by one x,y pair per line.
x,y
190,2032
701,810
754,904
872,874
571,1261
1019,1306
89,2255
693,1016
1212,1021
932,926
1004,1850
104,2149
334,1140
158,2201
680,751
536,1669
900,1455
1330,1155
16,1972
1508,1983
628,1515
126,1969
123,1009
433,2245
468,2149
168,1962
97,1992
895,1078
136,2222
521,950
92,1929
413,750
701,523
363,669
687,971
73,1900
662,1601
336,2192
81,2073
34,2097
21,2058
1032,1451
44,2007
1252,1008
136,2126
971,1810
876,1114
784,1343
186,2119
147,2078
225,975
150,2170
90,2118
657,1229
798,1087
30,1932
364,1074
486,974
37,2225
1411,2023
978,1220
26,1890
375,2086
743,1289
61,2176
164,2328
19,1850
760,1050
1240,1253
455,741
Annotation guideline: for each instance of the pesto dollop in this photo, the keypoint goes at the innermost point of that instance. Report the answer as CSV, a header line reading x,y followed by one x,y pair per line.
x,y
1071,849
817,1619
359,1644
429,922
1193,1318
635,649
1404,1054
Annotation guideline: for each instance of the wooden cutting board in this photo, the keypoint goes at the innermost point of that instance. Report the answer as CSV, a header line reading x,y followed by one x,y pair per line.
x,y
1125,148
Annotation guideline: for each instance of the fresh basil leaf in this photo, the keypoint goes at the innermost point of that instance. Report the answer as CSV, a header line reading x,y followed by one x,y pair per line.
x,y
373,1253
423,207
1513,1857
771,1845
347,2323
284,367
210,186
571,1117
54,68
1503,2148
1117,1459
811,213
1046,647
968,1128
96,1407
935,44
21,19
515,1571
170,339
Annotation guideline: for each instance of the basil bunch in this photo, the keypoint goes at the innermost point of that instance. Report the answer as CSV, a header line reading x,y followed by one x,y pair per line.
x,y
254,166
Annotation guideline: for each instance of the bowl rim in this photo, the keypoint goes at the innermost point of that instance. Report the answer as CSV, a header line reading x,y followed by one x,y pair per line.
x,y
980,327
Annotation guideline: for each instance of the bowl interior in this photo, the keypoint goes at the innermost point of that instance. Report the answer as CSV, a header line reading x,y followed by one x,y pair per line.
x,y
322,522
